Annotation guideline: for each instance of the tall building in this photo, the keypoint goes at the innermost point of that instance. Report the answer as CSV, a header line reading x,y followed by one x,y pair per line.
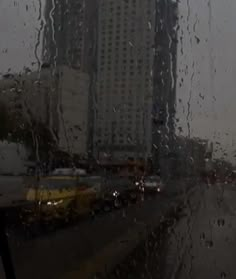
x,y
69,49
136,58
70,33
124,99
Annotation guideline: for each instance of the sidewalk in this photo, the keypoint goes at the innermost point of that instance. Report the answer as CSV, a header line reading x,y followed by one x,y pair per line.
x,y
206,243
180,238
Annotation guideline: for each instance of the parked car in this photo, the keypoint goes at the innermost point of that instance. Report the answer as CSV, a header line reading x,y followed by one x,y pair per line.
x,y
62,197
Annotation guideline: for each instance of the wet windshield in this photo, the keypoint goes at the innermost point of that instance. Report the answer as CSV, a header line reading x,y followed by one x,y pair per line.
x,y
117,139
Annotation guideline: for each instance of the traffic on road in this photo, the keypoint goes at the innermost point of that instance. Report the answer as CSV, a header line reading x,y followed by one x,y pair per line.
x,y
67,195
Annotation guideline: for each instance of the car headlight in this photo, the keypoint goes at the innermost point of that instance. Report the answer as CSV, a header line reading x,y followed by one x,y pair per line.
x,y
54,203
115,194
141,188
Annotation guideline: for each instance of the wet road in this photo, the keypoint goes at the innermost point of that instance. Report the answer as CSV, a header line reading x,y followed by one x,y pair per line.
x,y
207,237
76,251
67,250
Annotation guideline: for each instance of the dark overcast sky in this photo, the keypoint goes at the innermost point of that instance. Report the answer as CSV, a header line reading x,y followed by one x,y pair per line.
x,y
208,86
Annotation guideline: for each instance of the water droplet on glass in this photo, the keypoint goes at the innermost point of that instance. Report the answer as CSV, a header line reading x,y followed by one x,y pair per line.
x,y
220,222
209,243
202,236
155,146
223,275
131,44
197,39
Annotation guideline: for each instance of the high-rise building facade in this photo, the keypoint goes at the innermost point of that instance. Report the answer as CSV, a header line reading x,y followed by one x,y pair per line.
x,y
136,78
124,99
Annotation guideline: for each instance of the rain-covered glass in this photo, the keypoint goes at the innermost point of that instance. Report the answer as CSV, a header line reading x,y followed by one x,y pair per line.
x,y
117,139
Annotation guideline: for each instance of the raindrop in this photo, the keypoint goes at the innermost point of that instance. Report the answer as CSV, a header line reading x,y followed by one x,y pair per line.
x,y
155,146
223,275
191,160
197,39
220,222
131,44
124,214
129,139
201,96
202,236
209,243
97,276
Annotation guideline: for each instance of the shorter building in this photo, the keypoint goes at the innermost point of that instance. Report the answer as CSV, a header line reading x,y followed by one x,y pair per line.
x,y
73,90
31,95
13,159
58,101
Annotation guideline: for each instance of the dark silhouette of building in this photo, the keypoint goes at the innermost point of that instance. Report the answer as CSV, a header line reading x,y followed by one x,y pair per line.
x,y
164,99
70,33
69,49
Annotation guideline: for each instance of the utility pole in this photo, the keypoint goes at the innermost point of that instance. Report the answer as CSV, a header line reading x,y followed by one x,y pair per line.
x,y
5,252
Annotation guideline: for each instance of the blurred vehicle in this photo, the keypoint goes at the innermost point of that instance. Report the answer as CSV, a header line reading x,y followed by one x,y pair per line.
x,y
66,197
116,193
62,198
150,184
68,172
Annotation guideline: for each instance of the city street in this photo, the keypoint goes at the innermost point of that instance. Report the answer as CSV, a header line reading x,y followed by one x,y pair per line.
x,y
203,244
66,250
90,246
